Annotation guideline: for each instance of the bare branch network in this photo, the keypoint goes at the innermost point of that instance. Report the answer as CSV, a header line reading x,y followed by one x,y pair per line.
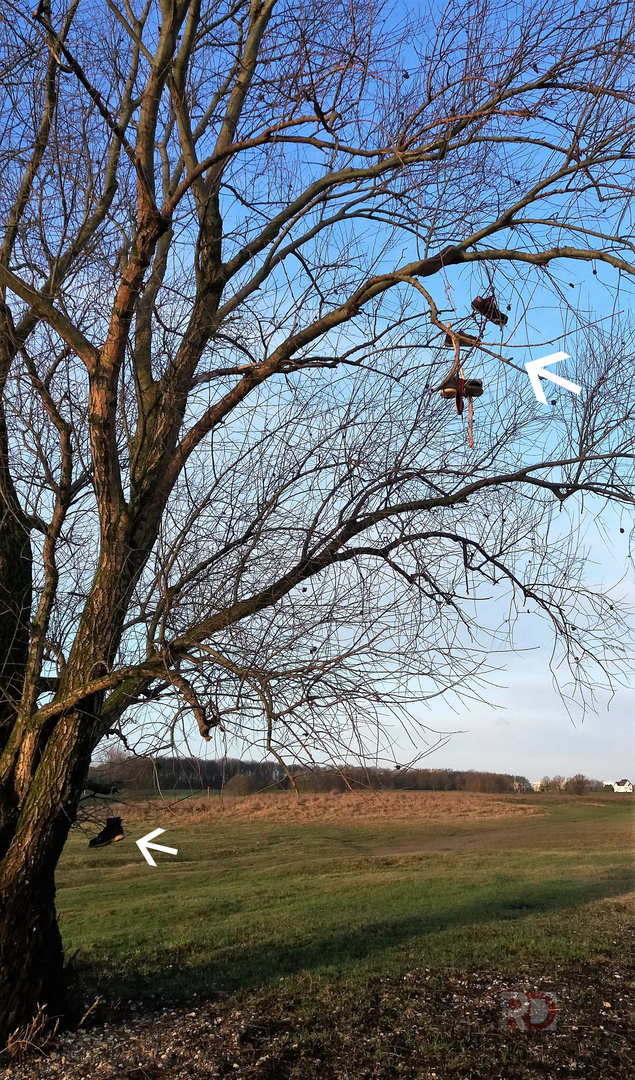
x,y
237,238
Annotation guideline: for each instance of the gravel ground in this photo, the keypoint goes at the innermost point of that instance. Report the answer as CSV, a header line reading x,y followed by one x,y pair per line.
x,y
419,1026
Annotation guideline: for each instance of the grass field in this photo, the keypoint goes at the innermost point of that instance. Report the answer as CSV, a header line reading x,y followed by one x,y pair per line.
x,y
343,911
353,887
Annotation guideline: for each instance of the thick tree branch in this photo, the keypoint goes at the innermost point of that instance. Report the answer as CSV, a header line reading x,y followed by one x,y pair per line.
x,y
46,311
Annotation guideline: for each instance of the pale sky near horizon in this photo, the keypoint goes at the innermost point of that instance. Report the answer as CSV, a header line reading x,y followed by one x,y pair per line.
x,y
533,736
530,732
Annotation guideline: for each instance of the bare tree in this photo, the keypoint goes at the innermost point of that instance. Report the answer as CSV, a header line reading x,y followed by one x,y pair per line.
x,y
579,784
238,236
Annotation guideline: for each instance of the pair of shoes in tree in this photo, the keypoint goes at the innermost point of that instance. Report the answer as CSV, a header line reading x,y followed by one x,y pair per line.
x,y
112,832
490,310
457,387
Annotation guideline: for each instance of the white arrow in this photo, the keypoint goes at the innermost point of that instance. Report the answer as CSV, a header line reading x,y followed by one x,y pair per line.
x,y
535,369
144,843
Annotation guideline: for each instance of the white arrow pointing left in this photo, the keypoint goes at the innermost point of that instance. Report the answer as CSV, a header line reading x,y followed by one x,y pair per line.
x,y
144,843
535,369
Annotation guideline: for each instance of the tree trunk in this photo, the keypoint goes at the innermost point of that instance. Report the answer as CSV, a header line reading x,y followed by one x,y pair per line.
x,y
31,954
44,773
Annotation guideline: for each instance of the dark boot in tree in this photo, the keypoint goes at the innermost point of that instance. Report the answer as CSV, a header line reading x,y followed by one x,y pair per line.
x,y
488,307
453,387
112,832
466,341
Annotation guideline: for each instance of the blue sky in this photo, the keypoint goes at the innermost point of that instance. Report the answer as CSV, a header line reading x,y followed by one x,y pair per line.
x,y
527,728
535,737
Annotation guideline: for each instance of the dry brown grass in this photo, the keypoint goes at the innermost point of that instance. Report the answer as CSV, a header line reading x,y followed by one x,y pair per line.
x,y
34,1036
337,808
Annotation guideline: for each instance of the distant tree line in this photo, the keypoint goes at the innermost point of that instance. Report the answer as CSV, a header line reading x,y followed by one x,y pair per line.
x,y
133,773
575,785
238,777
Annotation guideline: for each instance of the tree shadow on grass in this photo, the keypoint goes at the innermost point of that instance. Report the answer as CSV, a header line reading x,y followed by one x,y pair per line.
x,y
175,973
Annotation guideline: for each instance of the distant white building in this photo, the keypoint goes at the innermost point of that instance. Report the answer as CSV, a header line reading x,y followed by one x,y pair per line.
x,y
623,787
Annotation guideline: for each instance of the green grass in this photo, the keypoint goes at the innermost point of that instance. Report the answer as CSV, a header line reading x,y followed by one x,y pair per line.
x,y
247,903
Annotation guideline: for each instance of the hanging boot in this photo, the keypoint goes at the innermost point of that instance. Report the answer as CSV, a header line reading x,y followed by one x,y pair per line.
x,y
466,341
489,309
453,387
112,832
473,388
